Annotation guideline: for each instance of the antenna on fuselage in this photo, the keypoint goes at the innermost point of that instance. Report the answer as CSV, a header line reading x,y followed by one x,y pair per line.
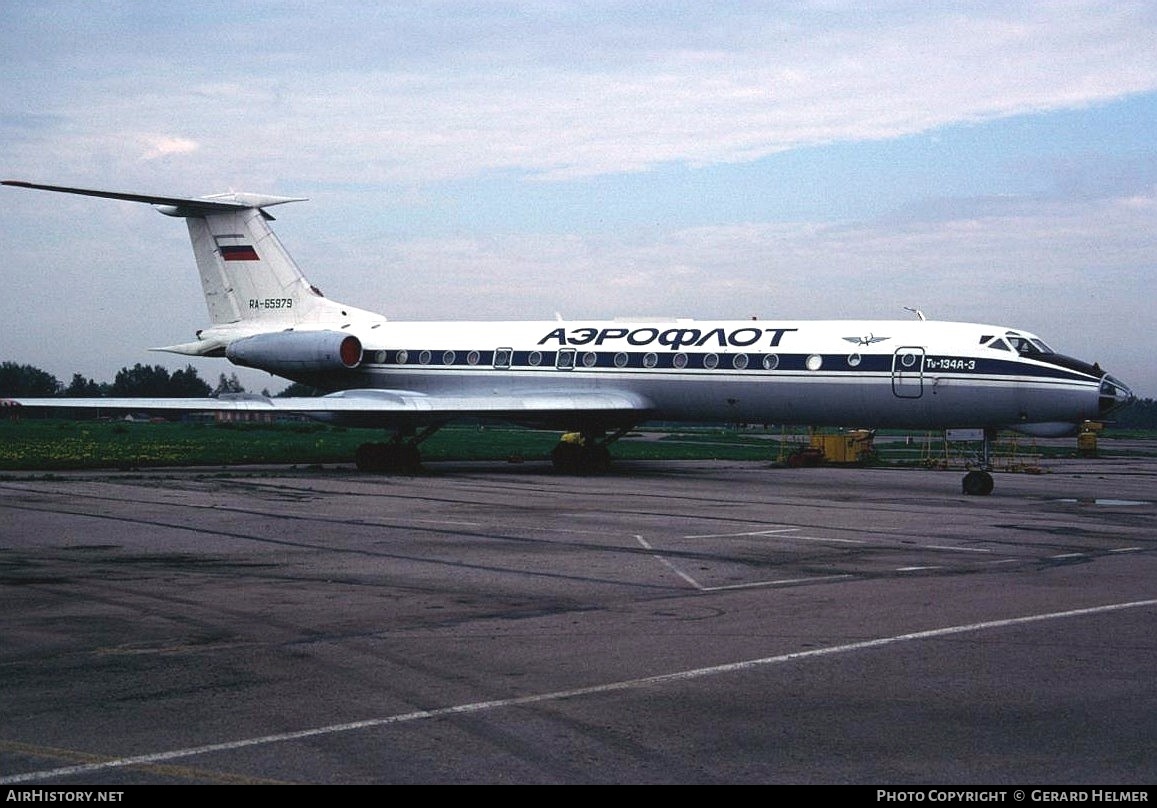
x,y
917,312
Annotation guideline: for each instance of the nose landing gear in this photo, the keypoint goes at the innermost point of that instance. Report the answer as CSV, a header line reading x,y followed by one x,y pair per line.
x,y
978,481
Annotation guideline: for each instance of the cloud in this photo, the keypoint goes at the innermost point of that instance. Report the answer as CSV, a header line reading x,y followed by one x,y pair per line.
x,y
984,264
158,146
410,96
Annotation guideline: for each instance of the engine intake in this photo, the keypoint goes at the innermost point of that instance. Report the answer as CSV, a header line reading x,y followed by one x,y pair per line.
x,y
288,352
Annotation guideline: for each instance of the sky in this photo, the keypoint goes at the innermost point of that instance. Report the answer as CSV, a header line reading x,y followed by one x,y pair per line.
x,y
987,162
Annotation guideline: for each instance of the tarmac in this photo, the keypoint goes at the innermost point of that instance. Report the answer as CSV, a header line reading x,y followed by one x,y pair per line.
x,y
670,622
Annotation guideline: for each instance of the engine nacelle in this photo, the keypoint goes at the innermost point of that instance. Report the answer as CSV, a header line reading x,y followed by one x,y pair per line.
x,y
291,352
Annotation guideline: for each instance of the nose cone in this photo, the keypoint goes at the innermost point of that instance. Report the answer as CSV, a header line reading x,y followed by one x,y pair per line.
x,y
1114,395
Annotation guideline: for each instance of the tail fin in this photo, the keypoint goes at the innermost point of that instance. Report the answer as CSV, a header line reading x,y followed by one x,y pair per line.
x,y
246,273
251,284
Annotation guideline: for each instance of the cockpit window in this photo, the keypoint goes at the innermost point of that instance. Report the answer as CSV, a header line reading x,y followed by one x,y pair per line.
x,y
999,344
1026,346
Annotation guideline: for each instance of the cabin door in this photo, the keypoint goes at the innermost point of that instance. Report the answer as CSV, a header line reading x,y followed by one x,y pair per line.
x,y
908,372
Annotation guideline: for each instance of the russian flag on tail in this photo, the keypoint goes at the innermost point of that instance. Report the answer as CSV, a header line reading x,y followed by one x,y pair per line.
x,y
233,248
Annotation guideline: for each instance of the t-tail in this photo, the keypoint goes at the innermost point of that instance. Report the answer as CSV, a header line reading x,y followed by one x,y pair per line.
x,y
252,286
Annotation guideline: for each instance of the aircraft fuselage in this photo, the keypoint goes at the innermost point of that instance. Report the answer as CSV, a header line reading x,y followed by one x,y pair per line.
x,y
918,374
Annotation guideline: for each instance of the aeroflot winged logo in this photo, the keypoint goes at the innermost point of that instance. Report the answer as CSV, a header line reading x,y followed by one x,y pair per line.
x,y
868,340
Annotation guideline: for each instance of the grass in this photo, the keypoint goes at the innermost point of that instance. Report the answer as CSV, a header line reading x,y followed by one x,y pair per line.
x,y
49,445
53,444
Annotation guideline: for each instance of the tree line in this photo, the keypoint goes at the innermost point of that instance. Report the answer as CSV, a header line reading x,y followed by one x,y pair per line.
x,y
139,381
1141,415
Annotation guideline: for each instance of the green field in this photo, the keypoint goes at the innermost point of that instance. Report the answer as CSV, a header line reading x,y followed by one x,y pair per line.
x,y
40,445
47,445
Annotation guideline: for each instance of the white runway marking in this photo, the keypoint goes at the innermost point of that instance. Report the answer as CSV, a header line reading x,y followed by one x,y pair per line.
x,y
750,585
826,538
647,546
954,549
559,695
781,582
782,531
445,522
768,532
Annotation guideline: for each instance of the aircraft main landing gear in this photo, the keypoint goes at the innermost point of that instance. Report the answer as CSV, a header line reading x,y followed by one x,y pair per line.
x,y
574,458
583,453
397,456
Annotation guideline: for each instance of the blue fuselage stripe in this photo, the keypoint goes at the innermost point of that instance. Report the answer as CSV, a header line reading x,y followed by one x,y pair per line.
x,y
932,365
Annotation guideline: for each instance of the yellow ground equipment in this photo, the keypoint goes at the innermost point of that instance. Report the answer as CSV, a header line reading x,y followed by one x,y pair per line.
x,y
853,446
1087,438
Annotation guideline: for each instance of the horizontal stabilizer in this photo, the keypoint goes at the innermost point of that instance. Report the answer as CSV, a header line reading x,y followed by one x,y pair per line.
x,y
217,203
250,282
204,347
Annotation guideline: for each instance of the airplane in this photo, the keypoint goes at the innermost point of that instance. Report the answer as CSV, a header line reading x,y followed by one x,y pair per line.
x,y
594,379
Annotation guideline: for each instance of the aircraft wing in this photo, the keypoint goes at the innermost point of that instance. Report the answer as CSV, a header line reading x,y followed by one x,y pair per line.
x,y
384,408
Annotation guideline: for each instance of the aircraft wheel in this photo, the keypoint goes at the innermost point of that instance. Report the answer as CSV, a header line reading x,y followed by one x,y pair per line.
x,y
978,483
572,458
408,458
368,457
595,460
388,457
566,457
